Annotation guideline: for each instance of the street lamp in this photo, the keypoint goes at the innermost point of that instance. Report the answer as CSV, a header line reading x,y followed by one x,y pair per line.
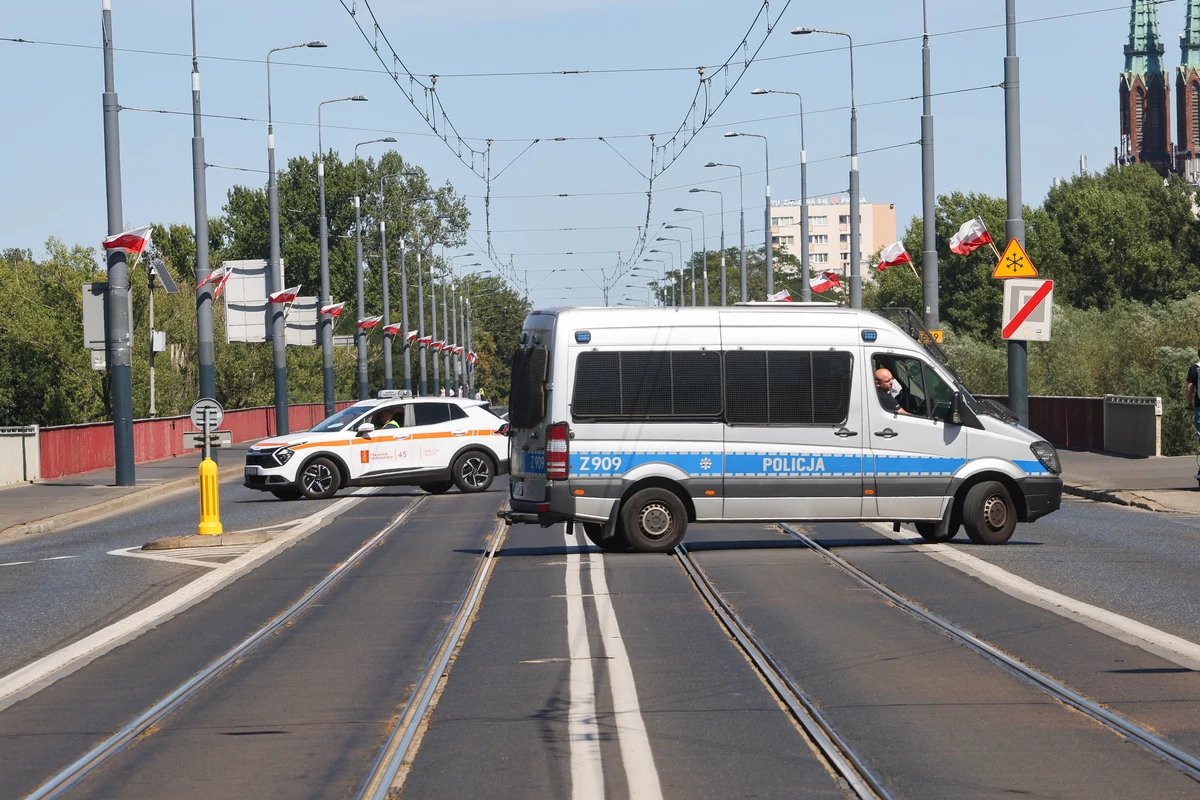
x,y
680,243
278,333
769,254
324,321
387,318
691,256
724,292
359,333
664,269
805,286
675,294
454,303
704,260
741,219
855,266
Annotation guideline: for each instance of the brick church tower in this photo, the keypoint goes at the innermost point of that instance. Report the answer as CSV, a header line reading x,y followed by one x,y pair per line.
x,y
1145,94
1187,97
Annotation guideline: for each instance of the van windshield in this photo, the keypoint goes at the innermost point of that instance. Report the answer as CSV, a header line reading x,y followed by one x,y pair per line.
x,y
527,397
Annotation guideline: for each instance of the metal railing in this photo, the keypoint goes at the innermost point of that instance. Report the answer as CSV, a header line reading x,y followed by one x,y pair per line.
x,y
20,457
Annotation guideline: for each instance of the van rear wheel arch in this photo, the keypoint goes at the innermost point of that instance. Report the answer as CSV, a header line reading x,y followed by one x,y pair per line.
x,y
662,483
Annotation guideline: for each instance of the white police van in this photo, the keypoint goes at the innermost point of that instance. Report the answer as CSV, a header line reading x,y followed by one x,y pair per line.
x,y
635,422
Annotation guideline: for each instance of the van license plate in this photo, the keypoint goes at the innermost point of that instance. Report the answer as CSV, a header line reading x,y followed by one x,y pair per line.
x,y
518,489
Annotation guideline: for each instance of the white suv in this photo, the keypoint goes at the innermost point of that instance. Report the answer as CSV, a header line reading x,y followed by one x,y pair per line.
x,y
440,442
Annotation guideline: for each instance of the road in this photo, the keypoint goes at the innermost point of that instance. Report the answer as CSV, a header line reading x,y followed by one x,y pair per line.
x,y
581,674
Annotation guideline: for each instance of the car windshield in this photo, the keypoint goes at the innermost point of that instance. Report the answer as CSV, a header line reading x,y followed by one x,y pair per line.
x,y
339,420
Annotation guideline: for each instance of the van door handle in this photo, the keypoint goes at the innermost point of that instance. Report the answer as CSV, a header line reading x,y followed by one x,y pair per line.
x,y
845,432
886,433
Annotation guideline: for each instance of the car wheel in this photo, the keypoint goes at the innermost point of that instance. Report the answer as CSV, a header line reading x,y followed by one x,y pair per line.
x,y
928,531
614,544
437,488
654,521
473,472
288,493
989,514
319,479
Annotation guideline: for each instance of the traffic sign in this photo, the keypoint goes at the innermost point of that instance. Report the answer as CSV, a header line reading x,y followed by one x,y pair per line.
x,y
1014,263
207,414
1028,308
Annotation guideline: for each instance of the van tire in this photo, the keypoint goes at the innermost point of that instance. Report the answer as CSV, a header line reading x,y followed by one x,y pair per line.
x,y
438,488
319,479
614,544
654,521
928,531
989,514
474,471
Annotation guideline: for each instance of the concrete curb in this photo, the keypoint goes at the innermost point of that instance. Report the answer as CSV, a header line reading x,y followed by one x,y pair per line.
x,y
208,540
125,502
1117,497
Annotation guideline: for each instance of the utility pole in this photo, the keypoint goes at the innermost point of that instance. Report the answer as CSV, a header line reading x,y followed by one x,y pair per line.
x,y
929,256
387,306
1014,226
204,295
421,346
437,382
405,347
116,300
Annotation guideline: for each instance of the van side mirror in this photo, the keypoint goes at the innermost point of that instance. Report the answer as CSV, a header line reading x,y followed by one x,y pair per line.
x,y
955,417
365,429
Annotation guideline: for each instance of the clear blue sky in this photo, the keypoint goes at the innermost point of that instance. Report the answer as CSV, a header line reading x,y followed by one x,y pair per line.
x,y
54,175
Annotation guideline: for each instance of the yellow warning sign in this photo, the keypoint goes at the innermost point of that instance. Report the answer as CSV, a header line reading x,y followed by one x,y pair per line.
x,y
938,336
1014,263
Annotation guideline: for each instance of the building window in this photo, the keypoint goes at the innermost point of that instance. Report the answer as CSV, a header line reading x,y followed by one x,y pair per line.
x,y
845,237
819,258
846,257
1195,93
819,238
1139,108
818,222
779,221
785,239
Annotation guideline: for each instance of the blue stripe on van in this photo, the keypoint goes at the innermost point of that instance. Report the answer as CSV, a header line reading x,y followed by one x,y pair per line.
x,y
1033,467
821,465
924,466
607,464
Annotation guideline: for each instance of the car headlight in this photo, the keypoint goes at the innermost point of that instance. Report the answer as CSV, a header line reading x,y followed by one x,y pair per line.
x,y
1046,454
283,455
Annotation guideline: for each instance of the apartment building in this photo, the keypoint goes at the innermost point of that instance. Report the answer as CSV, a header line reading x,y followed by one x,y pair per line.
x,y
829,230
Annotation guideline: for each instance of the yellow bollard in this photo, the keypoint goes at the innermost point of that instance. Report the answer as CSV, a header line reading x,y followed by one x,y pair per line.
x,y
210,506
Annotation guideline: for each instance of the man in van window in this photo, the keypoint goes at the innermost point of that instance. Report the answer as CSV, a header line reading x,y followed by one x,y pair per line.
x,y
884,383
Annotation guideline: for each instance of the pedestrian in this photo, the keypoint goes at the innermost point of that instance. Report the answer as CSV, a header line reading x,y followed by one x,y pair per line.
x,y
1193,387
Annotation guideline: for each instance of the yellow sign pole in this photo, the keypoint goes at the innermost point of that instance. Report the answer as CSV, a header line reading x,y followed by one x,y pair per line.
x,y
210,505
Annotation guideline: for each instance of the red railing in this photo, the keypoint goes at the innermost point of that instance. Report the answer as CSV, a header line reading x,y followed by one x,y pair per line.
x,y
72,449
1076,422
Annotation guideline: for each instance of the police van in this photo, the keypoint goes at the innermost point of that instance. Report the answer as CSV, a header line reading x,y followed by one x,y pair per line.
x,y
636,421
391,440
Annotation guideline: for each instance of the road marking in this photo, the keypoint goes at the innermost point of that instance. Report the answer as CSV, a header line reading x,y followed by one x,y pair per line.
x,y
15,563
583,732
1160,643
34,677
36,560
184,555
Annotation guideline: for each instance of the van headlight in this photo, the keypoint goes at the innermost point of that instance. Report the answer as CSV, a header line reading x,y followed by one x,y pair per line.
x,y
283,455
1046,454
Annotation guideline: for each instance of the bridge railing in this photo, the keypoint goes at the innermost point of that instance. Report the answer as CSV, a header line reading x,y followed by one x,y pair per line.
x,y
19,460
1114,423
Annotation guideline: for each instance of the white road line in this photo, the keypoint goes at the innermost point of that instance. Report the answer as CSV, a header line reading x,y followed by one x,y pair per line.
x,y
151,555
583,732
1152,640
15,563
57,558
36,560
640,772
34,677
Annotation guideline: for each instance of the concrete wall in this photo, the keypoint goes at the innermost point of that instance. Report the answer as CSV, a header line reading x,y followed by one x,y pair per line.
x,y
20,459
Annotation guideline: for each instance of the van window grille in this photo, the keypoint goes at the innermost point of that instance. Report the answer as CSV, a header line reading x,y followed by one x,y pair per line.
x,y
639,384
527,395
787,387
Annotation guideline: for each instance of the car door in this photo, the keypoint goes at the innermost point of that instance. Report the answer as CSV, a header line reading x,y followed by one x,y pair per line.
x,y
436,434
914,451
383,452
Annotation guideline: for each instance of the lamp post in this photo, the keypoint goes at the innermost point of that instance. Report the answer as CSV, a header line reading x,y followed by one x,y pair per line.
x,y
1014,225
663,264
741,220
672,292
278,333
691,256
361,335
805,286
389,341
855,256
929,256
680,243
324,321
768,253
724,289
204,296
454,302
704,258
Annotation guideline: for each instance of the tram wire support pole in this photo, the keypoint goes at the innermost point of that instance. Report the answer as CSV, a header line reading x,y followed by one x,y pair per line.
x,y
1014,226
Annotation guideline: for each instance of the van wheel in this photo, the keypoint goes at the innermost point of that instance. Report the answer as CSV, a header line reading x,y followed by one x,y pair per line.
x,y
989,513
654,521
928,531
288,493
615,544
473,472
437,488
319,479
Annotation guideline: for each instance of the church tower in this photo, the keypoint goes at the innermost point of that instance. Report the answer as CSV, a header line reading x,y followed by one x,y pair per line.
x,y
1187,97
1145,95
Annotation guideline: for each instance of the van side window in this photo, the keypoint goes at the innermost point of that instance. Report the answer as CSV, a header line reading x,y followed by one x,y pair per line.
x,y
917,388
787,387
639,384
430,413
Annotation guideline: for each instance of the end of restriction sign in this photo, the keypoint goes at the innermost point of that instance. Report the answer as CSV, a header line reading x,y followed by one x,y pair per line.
x,y
1028,310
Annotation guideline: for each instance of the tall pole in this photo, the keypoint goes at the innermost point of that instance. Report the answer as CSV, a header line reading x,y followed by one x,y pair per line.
x,y
447,333
769,250
855,212
470,345
387,308
360,334
1014,226
116,299
805,282
691,257
454,300
204,295
405,347
436,386
742,236
277,332
929,256
704,253
421,346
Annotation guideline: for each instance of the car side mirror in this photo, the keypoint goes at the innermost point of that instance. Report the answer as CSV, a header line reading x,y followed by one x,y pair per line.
x,y
954,413
365,429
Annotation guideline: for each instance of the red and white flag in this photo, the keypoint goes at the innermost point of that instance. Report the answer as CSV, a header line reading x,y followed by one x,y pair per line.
x,y
410,336
285,295
782,296
893,255
334,310
217,275
438,345
827,281
970,237
366,323
221,284
457,350
134,241
392,330
425,340
472,358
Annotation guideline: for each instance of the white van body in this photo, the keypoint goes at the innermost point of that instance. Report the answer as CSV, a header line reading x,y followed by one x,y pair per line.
x,y
758,412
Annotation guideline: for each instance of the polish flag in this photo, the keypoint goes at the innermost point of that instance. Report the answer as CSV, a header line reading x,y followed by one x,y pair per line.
x,y
782,296
472,358
392,330
366,323
410,336
215,276
457,350
425,340
827,281
285,296
221,284
334,310
971,236
893,255
438,345
134,241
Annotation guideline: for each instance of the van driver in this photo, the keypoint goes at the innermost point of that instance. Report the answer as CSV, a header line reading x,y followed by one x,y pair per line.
x,y
885,385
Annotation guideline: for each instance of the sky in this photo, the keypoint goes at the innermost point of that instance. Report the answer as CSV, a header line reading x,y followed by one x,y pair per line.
x,y
632,73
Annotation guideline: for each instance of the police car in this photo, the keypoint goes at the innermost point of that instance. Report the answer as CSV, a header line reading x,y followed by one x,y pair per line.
x,y
434,443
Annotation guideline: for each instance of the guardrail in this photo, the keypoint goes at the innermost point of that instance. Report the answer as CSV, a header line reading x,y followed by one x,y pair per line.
x,y
1115,423
72,449
1133,425
19,459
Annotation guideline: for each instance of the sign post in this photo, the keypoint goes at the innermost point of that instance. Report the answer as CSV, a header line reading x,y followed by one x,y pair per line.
x,y
207,415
